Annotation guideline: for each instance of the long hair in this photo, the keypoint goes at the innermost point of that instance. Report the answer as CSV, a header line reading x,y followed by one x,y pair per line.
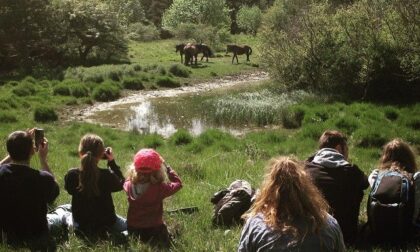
x,y
91,149
288,195
155,177
398,155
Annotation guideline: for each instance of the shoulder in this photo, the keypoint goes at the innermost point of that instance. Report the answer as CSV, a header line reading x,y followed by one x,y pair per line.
x,y
72,173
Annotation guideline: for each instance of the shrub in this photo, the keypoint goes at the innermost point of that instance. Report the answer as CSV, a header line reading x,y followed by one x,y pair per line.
x,y
153,141
391,113
7,117
371,137
166,81
348,124
9,102
249,19
141,32
181,137
136,67
62,89
161,70
132,83
98,78
179,70
292,118
24,89
107,91
79,90
30,79
45,114
12,83
114,75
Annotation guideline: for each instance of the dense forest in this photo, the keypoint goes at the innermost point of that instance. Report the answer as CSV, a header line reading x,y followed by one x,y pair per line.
x,y
362,49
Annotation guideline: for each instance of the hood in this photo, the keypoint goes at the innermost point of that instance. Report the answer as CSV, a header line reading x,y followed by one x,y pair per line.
x,y
329,158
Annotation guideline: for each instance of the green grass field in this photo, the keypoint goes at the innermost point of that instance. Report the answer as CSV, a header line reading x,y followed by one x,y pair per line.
x,y
212,160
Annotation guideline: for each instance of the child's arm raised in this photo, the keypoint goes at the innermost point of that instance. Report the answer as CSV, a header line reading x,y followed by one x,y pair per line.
x,y
174,185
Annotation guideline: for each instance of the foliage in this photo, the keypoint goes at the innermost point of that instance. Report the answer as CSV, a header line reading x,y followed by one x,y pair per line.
x,y
213,13
62,89
92,29
107,91
166,81
128,12
363,50
249,19
24,89
181,137
142,32
45,114
132,83
7,117
79,90
179,70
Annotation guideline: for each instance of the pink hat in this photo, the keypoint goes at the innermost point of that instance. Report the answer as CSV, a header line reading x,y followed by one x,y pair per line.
x,y
147,160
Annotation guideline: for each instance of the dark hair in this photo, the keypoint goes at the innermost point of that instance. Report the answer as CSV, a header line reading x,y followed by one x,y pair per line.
x,y
398,154
19,145
332,138
91,147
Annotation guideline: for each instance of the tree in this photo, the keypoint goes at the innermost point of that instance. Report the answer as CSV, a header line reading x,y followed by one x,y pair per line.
x,y
249,19
25,33
128,11
91,27
212,13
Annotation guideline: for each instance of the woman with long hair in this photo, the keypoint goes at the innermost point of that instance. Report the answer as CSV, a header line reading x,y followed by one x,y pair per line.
x,y
289,214
91,187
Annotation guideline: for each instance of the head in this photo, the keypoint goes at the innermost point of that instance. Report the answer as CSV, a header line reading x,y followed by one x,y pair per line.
x,y
20,146
91,150
179,47
146,167
287,194
335,140
229,48
398,154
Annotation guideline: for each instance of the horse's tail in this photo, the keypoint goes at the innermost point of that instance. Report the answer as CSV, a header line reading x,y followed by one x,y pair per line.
x,y
249,50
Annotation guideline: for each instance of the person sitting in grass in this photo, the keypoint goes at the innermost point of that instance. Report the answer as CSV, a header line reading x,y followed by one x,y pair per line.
x,y
340,182
146,189
91,187
394,205
25,193
289,214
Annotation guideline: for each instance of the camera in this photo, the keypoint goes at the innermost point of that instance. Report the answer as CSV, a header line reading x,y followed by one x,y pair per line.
x,y
107,151
39,137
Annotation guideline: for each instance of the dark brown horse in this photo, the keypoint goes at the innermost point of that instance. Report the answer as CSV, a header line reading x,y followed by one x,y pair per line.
x,y
191,52
180,48
239,50
205,50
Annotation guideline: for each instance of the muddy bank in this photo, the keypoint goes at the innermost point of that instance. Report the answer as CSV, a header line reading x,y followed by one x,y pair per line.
x,y
87,114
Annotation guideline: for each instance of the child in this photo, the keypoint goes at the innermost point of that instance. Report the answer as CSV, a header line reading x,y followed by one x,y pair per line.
x,y
146,189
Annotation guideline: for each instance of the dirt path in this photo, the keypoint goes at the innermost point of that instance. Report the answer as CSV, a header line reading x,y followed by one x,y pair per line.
x,y
139,96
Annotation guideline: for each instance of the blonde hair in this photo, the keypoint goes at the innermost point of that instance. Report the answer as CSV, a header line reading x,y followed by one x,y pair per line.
x,y
91,148
288,195
155,177
398,155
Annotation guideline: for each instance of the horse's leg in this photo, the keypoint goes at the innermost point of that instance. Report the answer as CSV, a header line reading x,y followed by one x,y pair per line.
x,y
233,57
180,53
202,57
247,56
236,55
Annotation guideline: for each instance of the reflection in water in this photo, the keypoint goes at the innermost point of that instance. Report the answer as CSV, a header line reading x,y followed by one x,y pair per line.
x,y
147,119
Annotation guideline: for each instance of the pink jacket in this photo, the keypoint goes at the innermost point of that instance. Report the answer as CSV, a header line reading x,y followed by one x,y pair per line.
x,y
147,209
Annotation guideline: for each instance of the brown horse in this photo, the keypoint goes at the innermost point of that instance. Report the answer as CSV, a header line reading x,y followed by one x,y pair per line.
x,y
180,48
239,50
205,50
190,51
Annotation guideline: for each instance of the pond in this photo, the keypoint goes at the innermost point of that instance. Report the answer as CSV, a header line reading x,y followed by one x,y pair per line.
x,y
165,111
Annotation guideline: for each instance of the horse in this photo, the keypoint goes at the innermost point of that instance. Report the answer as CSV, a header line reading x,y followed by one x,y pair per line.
x,y
190,51
239,50
205,50
180,48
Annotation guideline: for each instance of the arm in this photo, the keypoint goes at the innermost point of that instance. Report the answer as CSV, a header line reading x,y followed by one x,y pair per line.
x,y
71,181
43,153
51,187
174,185
116,180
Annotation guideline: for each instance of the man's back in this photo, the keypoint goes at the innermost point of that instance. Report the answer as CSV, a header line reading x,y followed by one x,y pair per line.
x,y
24,194
342,186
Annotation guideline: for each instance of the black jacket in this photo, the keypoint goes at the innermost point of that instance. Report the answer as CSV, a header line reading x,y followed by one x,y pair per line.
x,y
94,214
342,187
24,195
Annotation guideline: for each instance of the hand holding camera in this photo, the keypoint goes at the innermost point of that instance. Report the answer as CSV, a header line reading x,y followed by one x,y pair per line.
x,y
108,154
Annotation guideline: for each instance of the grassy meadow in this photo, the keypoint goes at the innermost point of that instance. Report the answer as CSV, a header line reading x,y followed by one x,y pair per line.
x,y
205,163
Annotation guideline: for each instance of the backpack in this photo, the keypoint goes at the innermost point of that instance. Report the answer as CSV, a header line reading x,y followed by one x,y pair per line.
x,y
390,207
231,203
